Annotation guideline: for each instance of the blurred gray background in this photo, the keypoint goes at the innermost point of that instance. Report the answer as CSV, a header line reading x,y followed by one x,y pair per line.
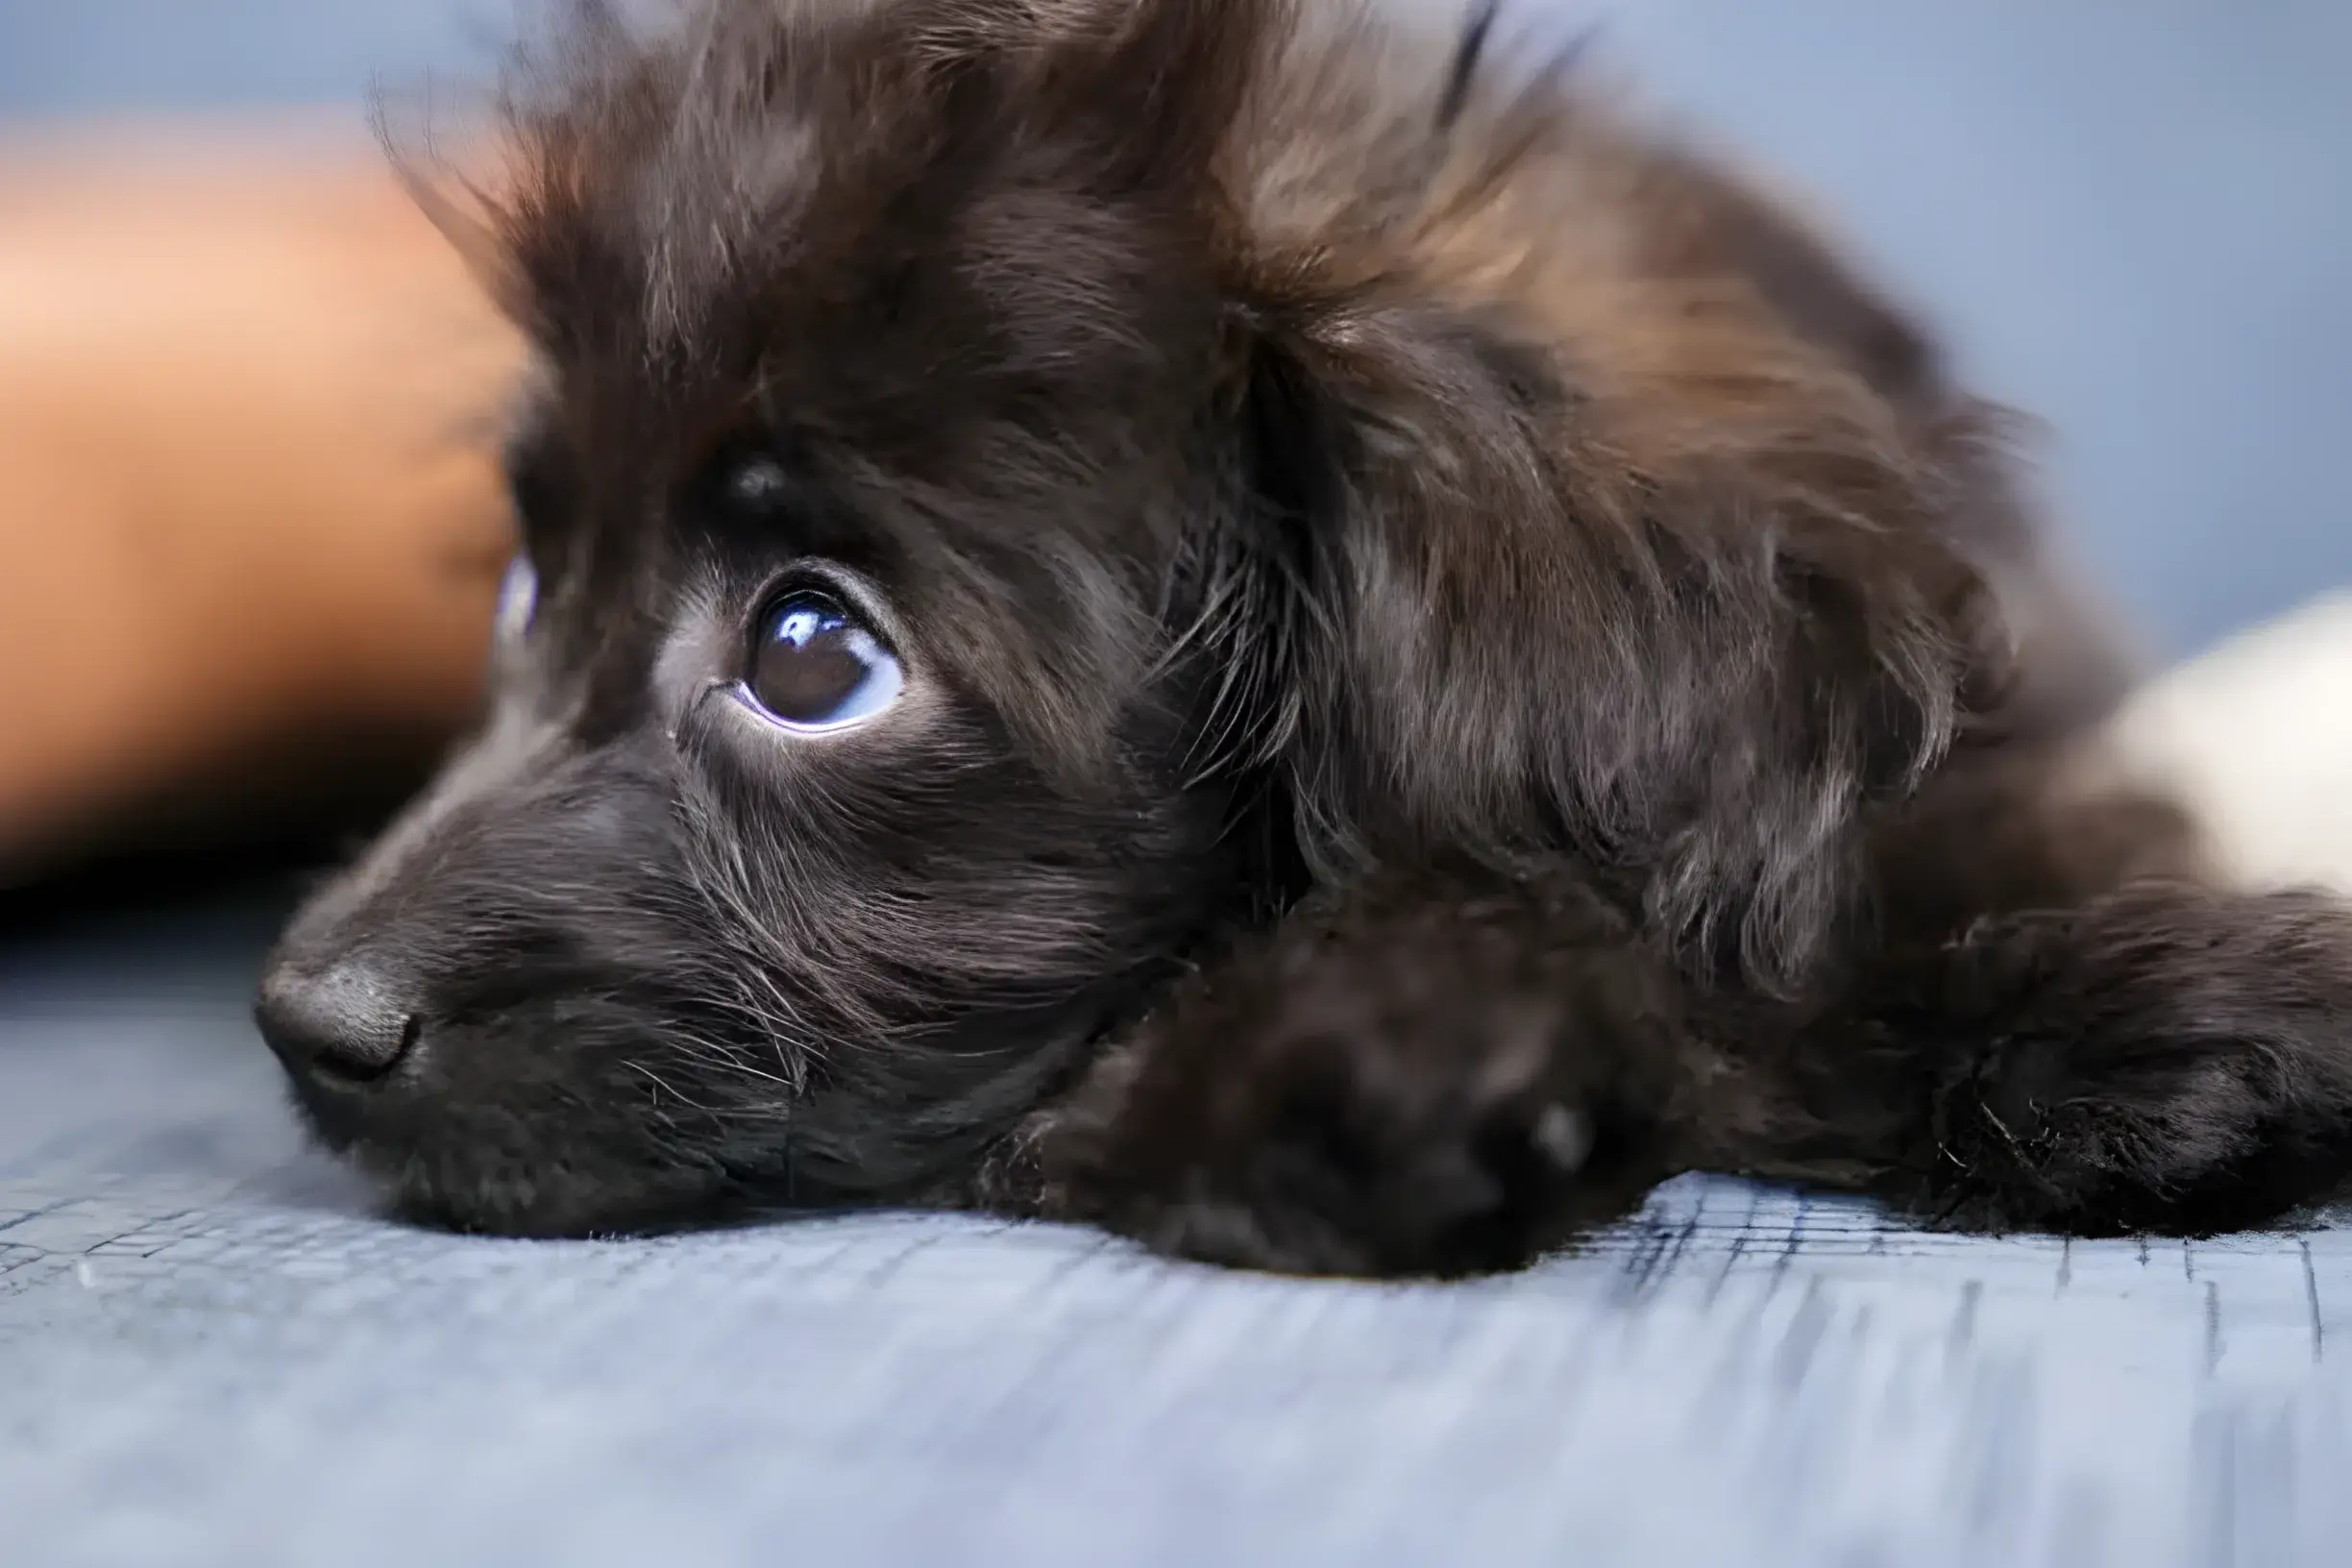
x,y
2133,218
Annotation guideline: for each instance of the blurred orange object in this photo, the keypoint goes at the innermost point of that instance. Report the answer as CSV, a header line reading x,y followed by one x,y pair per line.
x,y
251,522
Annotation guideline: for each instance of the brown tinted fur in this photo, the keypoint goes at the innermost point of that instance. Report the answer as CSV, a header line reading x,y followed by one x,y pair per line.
x,y
1480,595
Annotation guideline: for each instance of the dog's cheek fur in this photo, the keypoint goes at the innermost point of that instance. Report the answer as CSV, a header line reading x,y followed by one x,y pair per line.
x,y
946,938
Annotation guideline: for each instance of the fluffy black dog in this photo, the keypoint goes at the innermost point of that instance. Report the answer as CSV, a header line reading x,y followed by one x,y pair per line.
x,y
1213,617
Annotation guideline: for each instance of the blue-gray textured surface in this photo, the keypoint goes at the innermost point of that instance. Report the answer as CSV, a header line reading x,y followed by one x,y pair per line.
x,y
212,1353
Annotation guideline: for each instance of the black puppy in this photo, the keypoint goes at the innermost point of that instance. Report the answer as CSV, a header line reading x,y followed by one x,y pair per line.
x,y
1213,617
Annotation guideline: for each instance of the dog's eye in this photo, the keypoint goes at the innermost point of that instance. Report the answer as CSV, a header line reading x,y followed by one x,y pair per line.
x,y
518,599
815,666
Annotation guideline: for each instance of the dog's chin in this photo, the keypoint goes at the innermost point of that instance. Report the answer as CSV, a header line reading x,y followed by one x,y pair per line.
x,y
498,1180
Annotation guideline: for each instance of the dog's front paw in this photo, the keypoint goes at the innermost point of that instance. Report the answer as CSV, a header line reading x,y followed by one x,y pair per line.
x,y
1427,1080
2171,1058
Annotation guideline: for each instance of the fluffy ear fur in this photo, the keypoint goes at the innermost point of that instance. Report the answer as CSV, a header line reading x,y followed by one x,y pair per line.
x,y
1561,552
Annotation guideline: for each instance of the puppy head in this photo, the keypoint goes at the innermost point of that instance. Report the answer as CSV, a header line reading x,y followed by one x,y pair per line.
x,y
1016,490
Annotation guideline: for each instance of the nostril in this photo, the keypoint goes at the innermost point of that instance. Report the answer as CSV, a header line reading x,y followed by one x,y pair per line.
x,y
346,1022
366,1068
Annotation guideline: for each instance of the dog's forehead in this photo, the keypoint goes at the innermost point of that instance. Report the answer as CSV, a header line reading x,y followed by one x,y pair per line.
x,y
866,214
670,187
1006,384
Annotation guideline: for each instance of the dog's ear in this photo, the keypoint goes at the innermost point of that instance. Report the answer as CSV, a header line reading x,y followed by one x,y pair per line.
x,y
1593,507
1685,624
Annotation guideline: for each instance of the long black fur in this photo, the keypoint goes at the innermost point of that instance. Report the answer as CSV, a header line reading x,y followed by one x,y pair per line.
x,y
1460,663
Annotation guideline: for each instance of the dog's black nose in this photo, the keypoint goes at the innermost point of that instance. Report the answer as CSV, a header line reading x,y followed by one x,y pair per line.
x,y
346,1022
